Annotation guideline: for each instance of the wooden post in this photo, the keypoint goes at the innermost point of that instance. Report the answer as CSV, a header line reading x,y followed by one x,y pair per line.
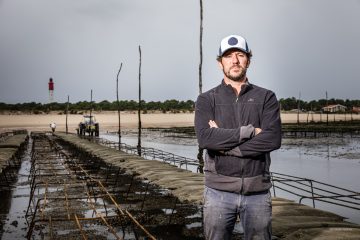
x,y
327,112
118,104
298,110
312,114
139,108
90,103
307,118
67,111
200,152
201,54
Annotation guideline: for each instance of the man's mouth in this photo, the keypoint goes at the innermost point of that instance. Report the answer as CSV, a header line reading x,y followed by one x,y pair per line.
x,y
236,68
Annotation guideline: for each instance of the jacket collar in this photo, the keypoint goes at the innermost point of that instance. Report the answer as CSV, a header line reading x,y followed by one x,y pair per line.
x,y
244,88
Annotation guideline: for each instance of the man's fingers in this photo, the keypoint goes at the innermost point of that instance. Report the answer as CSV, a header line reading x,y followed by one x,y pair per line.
x,y
212,124
257,131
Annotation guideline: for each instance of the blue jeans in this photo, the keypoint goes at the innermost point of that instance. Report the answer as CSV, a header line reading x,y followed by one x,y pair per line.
x,y
222,208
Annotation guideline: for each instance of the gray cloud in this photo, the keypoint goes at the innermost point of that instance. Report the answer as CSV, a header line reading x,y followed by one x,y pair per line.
x,y
307,46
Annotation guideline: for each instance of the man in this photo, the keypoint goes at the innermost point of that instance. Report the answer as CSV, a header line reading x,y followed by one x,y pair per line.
x,y
238,123
53,127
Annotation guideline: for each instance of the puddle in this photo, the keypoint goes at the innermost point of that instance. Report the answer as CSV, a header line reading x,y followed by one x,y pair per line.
x,y
15,225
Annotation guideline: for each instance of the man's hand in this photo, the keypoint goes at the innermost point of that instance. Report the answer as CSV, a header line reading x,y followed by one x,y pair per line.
x,y
212,124
257,131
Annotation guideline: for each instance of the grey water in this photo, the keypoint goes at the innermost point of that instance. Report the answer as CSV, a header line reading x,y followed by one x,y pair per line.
x,y
15,225
332,160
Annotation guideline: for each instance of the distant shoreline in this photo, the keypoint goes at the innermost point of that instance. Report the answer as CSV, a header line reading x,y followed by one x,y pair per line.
x,y
108,120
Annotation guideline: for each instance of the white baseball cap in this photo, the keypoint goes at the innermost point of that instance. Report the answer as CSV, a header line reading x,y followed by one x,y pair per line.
x,y
234,41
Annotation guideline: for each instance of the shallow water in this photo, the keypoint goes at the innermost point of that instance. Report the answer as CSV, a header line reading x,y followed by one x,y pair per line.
x,y
332,160
15,225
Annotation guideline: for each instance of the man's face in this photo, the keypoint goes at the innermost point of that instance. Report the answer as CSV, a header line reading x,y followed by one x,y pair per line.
x,y
234,64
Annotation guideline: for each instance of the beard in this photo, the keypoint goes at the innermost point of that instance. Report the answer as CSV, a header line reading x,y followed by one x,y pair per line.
x,y
237,76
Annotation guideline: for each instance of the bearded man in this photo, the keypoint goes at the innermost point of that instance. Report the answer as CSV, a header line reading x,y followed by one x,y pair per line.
x,y
238,123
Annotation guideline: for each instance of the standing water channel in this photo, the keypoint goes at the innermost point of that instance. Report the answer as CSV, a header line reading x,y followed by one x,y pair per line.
x,y
332,160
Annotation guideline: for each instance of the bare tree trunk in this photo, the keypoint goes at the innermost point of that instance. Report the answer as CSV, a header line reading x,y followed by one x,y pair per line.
x,y
139,108
67,111
118,104
201,151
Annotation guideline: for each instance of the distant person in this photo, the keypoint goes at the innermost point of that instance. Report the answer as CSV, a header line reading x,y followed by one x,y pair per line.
x,y
53,127
238,123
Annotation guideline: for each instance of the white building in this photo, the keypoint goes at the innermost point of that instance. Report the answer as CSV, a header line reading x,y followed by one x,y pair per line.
x,y
334,108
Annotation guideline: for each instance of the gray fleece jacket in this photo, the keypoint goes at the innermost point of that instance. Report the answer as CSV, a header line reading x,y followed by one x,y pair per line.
x,y
236,160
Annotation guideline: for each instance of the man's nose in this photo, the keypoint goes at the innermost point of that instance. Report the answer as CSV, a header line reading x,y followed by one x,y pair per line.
x,y
234,58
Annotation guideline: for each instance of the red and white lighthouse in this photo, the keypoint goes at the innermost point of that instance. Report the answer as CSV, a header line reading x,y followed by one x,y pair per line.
x,y
51,90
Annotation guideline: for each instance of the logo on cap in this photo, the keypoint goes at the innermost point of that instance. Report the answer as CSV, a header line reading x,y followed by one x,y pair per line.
x,y
232,41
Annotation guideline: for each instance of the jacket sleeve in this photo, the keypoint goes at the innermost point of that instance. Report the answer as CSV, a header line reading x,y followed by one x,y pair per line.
x,y
270,137
218,139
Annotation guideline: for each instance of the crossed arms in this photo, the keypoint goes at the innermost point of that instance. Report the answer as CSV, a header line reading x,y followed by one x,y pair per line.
x,y
244,141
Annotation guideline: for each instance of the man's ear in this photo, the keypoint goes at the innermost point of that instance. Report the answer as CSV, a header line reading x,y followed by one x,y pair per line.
x,y
248,63
220,65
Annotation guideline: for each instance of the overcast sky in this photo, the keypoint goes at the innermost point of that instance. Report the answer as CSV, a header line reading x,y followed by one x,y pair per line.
x,y
307,46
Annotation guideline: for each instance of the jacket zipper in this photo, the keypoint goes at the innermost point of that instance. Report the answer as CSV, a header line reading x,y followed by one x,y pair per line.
x,y
241,161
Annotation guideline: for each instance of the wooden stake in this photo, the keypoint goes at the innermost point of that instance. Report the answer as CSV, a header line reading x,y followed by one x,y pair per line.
x,y
67,111
139,108
118,104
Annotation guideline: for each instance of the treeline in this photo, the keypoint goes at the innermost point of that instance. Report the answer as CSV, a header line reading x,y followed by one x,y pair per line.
x,y
172,105
288,104
74,108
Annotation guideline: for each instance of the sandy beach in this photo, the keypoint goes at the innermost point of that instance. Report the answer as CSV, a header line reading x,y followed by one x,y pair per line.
x,y
108,121
129,120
